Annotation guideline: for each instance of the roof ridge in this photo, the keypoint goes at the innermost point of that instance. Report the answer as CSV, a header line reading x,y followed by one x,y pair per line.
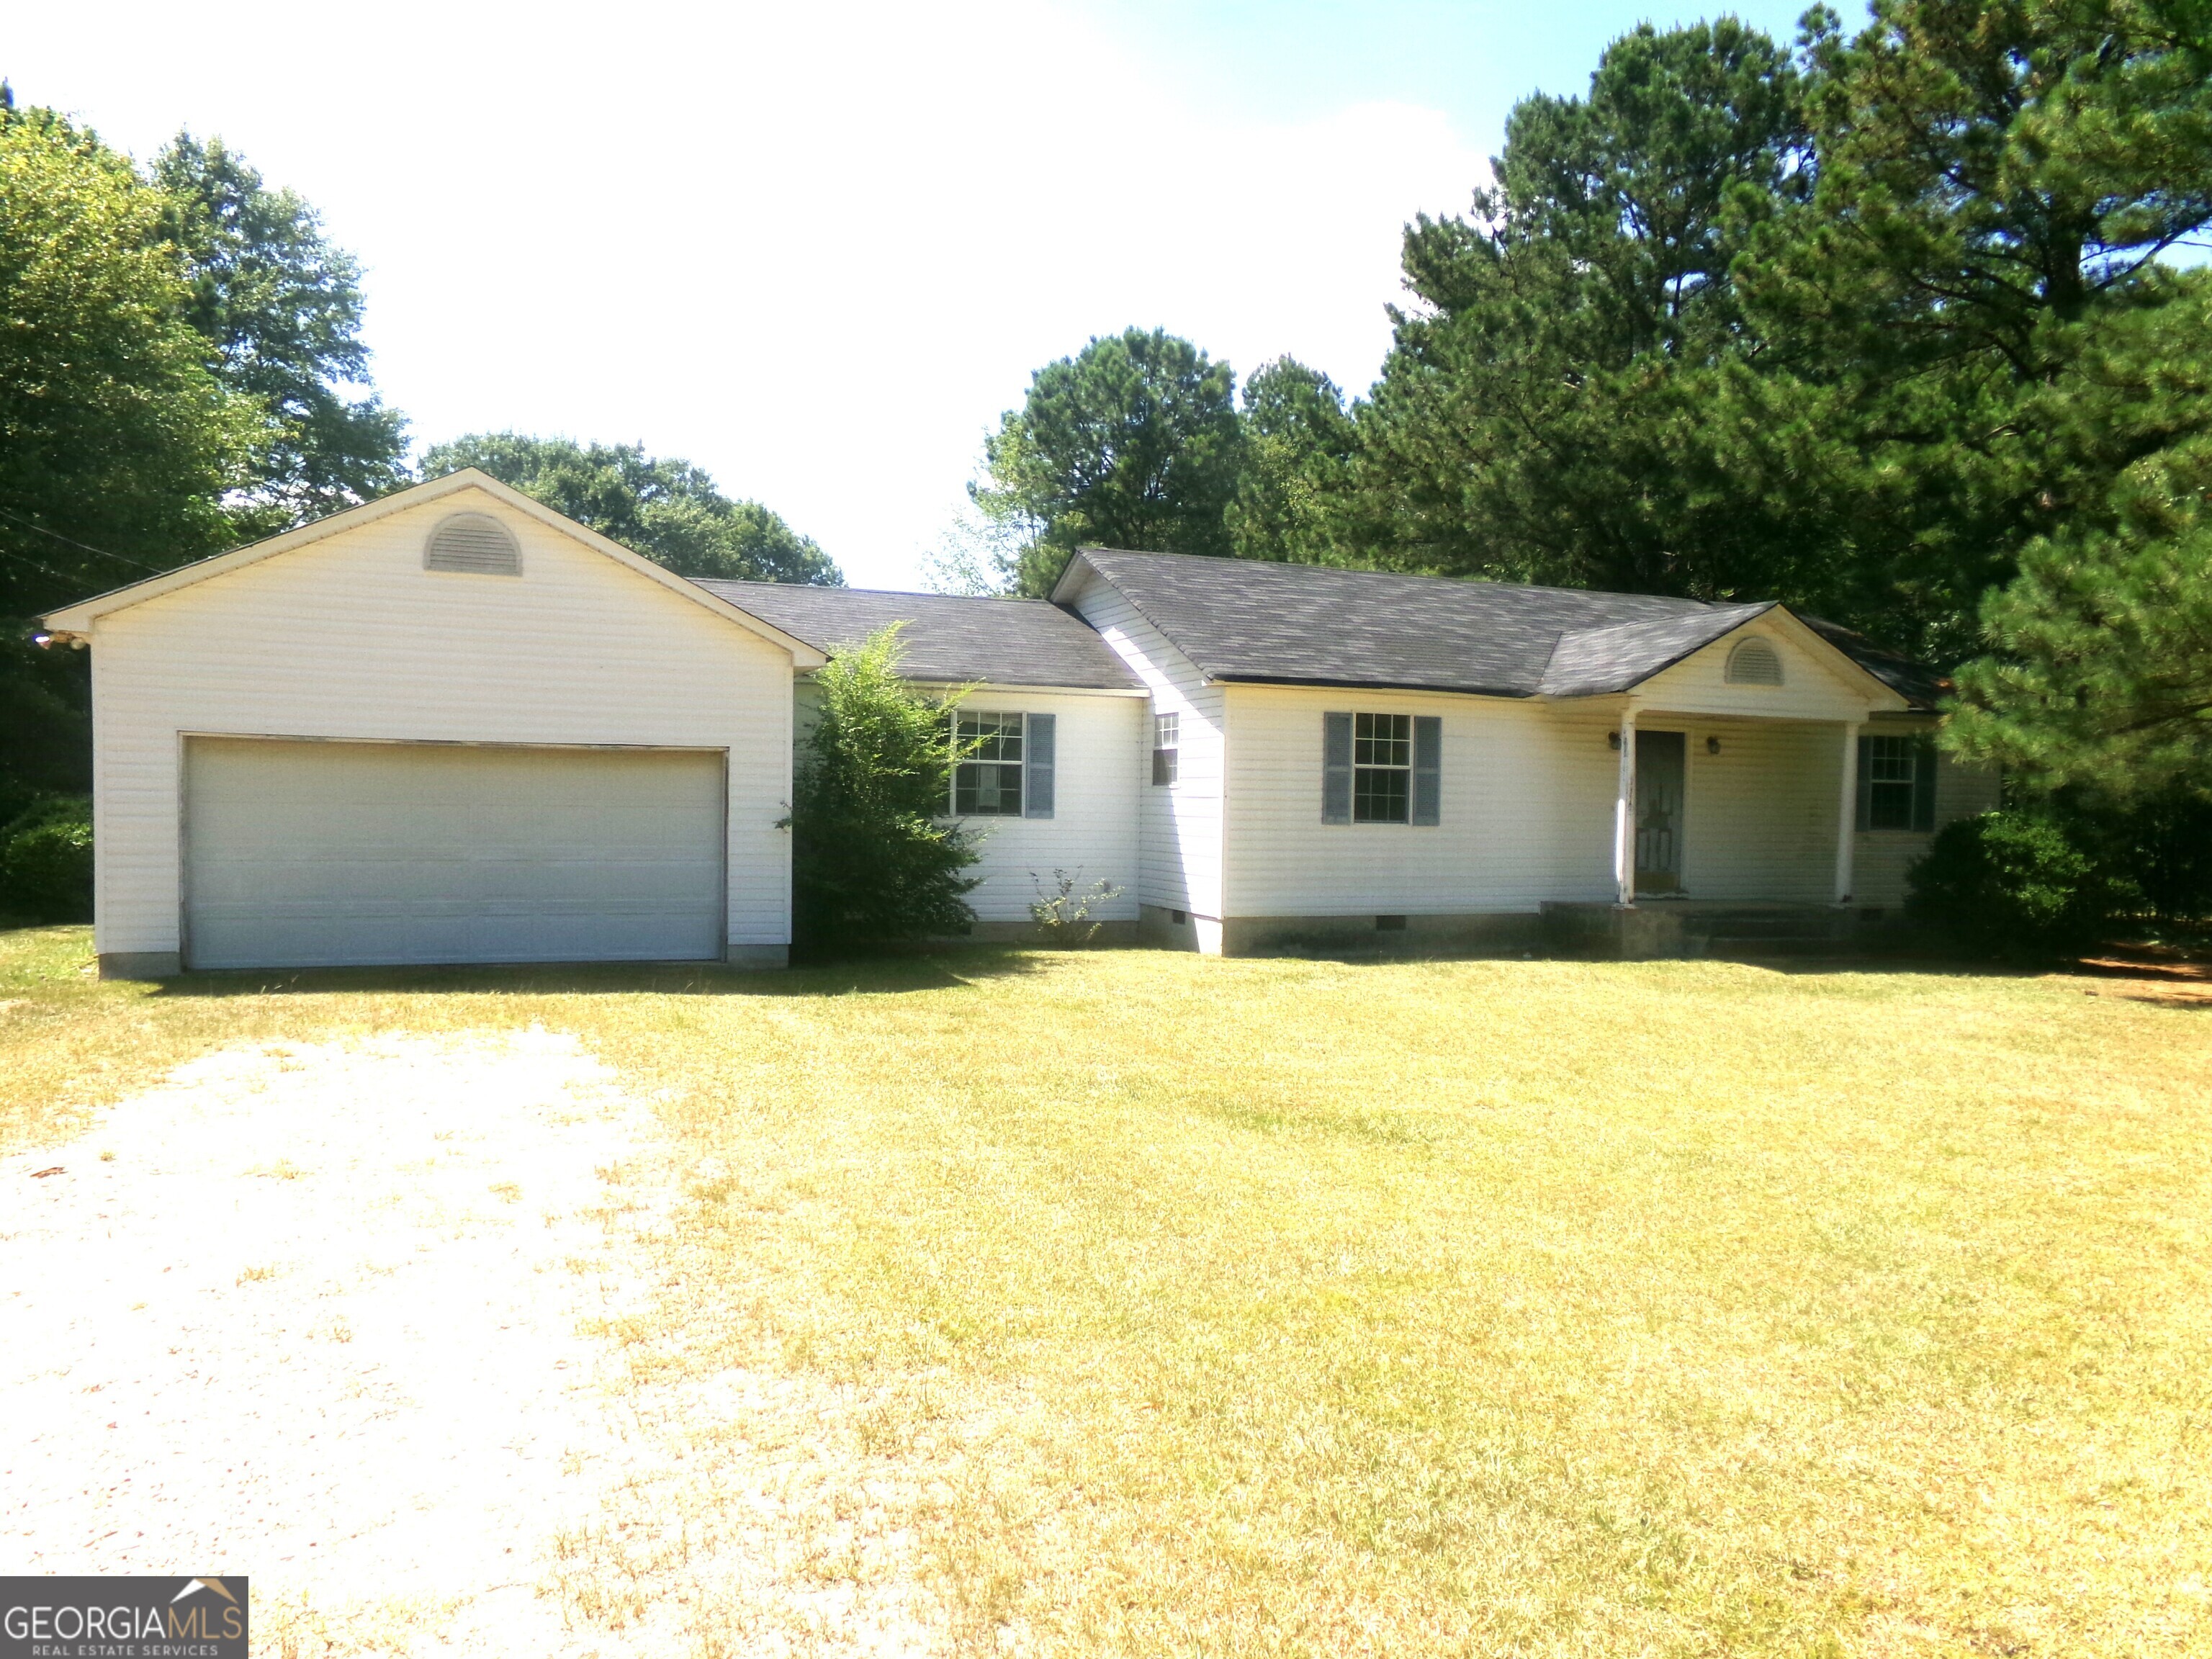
x,y
1487,584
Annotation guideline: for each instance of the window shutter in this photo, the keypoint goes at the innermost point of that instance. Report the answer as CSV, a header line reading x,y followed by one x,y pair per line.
x,y
1866,783
1336,768
1924,785
1037,765
1428,769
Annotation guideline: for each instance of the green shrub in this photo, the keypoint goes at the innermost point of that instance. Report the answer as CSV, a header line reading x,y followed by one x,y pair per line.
x,y
872,862
46,861
2014,882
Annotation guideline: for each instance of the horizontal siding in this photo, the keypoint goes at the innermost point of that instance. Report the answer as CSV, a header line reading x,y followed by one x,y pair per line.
x,y
351,637
1092,833
1759,819
1816,685
1527,810
1881,857
1179,826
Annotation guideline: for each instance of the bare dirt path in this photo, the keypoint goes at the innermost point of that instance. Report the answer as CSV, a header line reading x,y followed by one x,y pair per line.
x,y
331,1316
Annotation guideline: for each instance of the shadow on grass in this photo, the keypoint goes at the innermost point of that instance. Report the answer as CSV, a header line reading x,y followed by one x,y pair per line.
x,y
931,970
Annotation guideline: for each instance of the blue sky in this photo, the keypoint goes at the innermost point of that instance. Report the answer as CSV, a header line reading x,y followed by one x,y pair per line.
x,y
819,248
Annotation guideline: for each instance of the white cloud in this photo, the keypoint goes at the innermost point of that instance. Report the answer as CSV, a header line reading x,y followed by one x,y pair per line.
x,y
816,249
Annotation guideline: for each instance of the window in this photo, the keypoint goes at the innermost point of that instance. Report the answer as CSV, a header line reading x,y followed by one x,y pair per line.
x,y
1753,662
1897,783
1165,730
472,545
1381,767
987,782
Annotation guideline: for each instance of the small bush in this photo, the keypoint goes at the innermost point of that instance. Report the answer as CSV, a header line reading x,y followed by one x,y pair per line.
x,y
2013,883
46,861
872,863
1063,910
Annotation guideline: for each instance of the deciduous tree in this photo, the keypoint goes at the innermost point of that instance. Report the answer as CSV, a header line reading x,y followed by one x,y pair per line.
x,y
669,510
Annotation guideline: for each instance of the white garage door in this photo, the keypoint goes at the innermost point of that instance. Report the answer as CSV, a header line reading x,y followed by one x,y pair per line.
x,y
305,854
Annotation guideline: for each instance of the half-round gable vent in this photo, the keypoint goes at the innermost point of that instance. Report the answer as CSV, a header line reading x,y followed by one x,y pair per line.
x,y
1754,662
474,543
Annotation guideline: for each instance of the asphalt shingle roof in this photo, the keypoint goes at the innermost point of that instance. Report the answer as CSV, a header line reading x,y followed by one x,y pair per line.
x,y
947,638
1315,625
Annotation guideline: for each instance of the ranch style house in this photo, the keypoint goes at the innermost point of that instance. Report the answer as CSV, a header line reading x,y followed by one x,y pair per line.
x,y
451,725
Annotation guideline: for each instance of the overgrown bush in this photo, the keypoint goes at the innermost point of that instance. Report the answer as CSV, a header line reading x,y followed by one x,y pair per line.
x,y
46,861
2015,883
872,862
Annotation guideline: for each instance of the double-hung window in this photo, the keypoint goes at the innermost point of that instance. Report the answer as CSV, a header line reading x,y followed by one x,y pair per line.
x,y
1381,767
1897,783
987,779
1167,732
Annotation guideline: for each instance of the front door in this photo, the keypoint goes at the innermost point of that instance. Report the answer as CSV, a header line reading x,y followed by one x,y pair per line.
x,y
1659,769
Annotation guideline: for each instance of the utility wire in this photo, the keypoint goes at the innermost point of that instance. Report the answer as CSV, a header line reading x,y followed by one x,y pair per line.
x,y
85,546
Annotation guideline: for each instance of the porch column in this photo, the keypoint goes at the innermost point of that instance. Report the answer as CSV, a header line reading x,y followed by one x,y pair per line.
x,y
1623,812
1847,813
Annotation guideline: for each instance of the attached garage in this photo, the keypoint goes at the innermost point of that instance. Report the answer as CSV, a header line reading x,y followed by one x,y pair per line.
x,y
315,854
448,726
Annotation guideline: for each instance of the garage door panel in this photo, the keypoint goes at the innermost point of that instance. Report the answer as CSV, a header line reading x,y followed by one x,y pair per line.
x,y
310,854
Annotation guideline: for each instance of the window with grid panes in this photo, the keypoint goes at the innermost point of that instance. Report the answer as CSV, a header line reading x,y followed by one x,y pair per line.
x,y
1892,770
1381,767
987,780
1166,746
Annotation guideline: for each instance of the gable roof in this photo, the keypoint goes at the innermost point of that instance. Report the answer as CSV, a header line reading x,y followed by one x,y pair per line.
x,y
1244,620
75,620
948,638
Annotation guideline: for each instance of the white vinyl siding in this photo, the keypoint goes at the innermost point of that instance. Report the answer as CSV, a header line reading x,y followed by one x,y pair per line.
x,y
1179,826
311,854
1759,819
1099,744
1880,858
351,637
1527,810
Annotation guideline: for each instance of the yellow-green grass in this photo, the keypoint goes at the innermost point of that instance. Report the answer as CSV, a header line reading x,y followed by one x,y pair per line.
x,y
1313,1307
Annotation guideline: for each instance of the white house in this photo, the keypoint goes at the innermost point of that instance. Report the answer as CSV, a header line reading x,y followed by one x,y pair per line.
x,y
451,726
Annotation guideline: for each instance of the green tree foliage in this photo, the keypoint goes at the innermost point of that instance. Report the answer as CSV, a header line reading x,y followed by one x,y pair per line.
x,y
1299,447
118,441
668,510
2013,883
1734,325
46,861
2100,673
282,308
1132,443
873,861
1543,415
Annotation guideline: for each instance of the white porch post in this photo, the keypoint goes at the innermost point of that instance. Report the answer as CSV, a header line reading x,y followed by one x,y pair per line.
x,y
1847,812
1623,811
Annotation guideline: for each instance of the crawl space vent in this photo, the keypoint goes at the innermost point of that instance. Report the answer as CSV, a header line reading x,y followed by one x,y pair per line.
x,y
473,544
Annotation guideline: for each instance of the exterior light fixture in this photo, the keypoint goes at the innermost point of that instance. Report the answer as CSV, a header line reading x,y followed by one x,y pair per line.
x,y
1612,740
1713,745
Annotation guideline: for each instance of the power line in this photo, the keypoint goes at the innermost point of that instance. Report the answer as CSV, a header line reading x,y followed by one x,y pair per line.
x,y
88,547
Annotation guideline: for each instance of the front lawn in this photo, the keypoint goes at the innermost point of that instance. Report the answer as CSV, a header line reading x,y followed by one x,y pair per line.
x,y
1322,1307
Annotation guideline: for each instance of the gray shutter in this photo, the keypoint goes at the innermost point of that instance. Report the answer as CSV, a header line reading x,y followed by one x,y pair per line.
x,y
1428,769
1866,784
1336,768
1037,765
1924,785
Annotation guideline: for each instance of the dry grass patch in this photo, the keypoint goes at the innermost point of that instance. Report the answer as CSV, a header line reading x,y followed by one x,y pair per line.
x,y
1268,1307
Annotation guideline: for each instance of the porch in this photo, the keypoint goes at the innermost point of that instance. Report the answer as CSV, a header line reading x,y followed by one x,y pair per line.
x,y
1657,928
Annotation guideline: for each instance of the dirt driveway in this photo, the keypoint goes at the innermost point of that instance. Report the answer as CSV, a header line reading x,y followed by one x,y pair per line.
x,y
333,1317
